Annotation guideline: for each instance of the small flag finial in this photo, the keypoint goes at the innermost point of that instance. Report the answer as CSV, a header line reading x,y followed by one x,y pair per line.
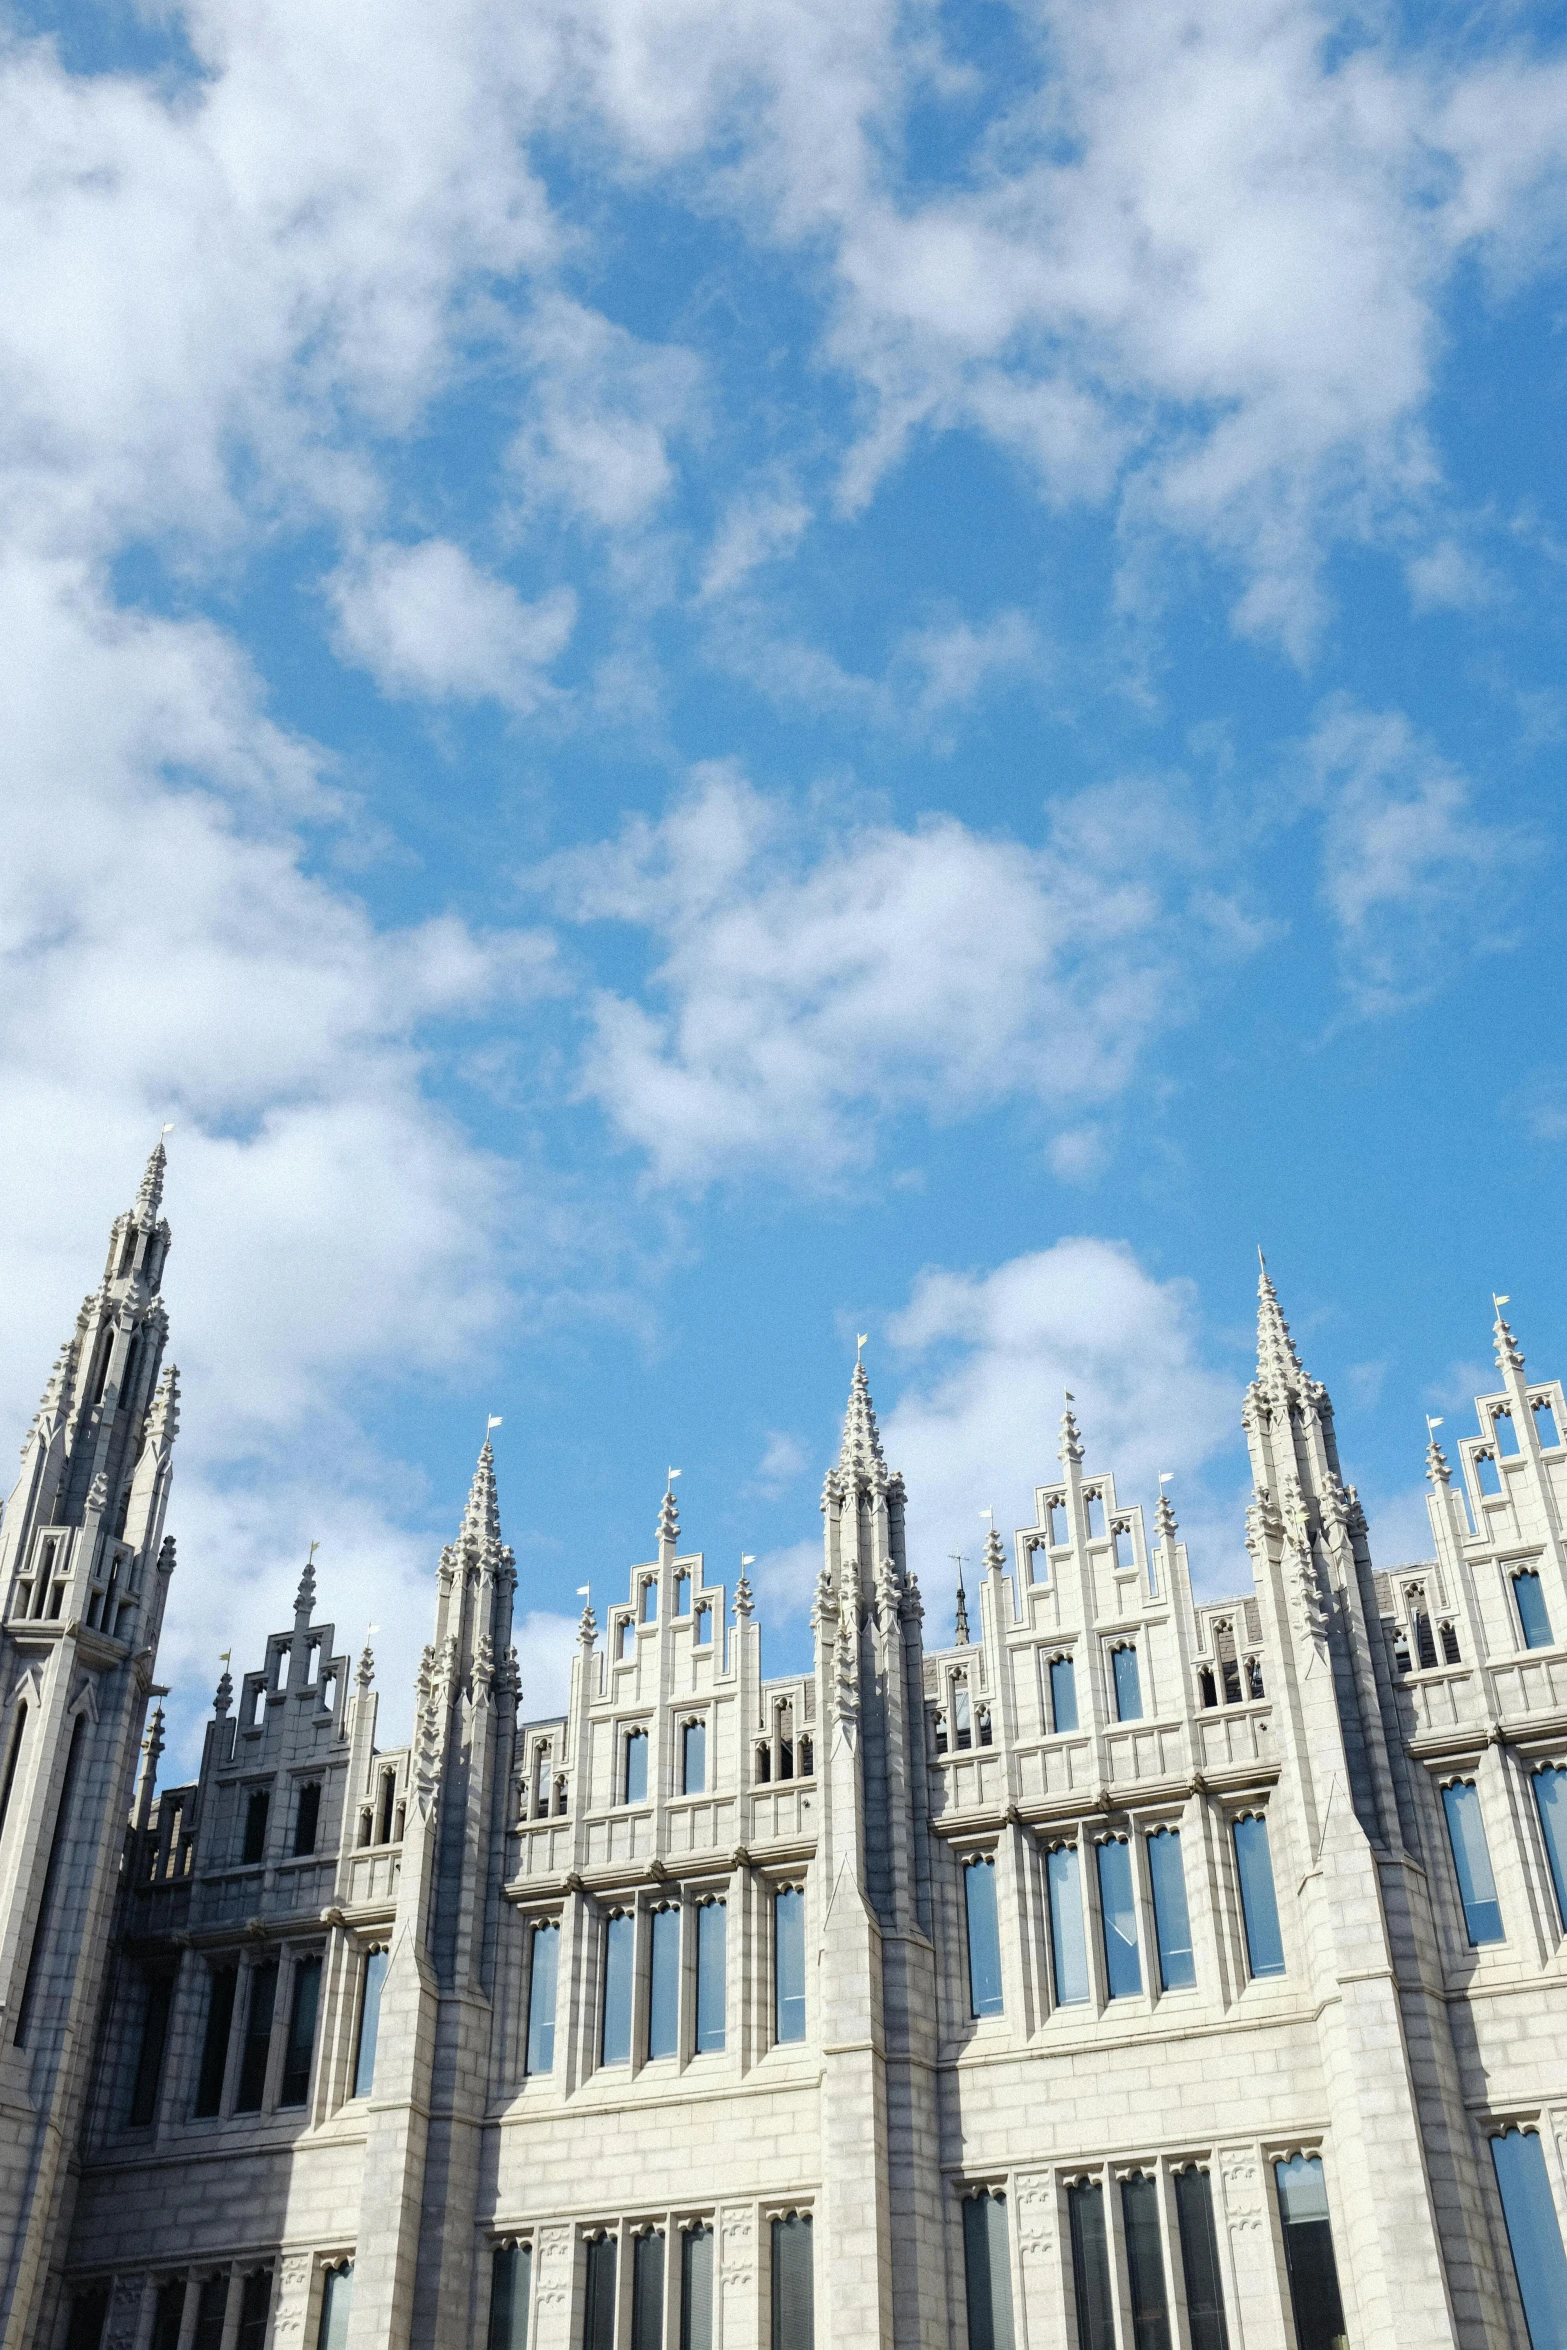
x,y
862,1340
747,1558
494,1421
673,1474
1165,1476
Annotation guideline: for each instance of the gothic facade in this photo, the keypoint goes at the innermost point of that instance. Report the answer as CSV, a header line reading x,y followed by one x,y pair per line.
x,y
1131,1972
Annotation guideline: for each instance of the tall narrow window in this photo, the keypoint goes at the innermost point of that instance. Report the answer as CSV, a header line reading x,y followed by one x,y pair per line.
x,y
388,1805
711,1977
1308,2254
257,2044
794,2299
1472,1862
1172,1922
254,1844
696,2289
1534,1616
222,1985
683,1593
1545,1421
663,1985
650,1601
511,2285
1200,2261
704,1626
986,2275
1550,1796
984,1936
962,1718
789,1962
307,1818
337,2301
376,1962
89,2311
1068,1951
1128,1689
598,2298
619,1949
1085,2207
211,2313
13,1757
255,2300
647,2292
57,1847
1145,2264
635,1783
693,1758
1063,1693
1506,1434
543,1969
168,2315
158,1991
1425,1641
1259,1907
1533,2236
1118,1912
301,2047
786,1741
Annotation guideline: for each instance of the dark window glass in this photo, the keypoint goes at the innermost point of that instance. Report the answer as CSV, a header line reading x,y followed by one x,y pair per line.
x,y
1450,1654
598,2299
13,1757
307,1818
258,2038
1172,1922
985,2273
541,1999
57,1846
1085,2204
619,1951
693,1773
1308,2254
807,1757
1472,1863
984,1937
1533,1615
149,2055
1545,1422
1425,1643
1534,2236
1063,1694
711,1975
636,1767
1118,1914
663,2002
1207,1691
211,2310
794,2307
647,2293
704,1626
369,2021
337,2300
301,2045
88,2312
962,1720
215,2042
696,2289
1068,1951
1145,2264
1550,1795
1264,1943
168,2315
511,2276
789,1962
256,1808
1128,1689
1200,2261
255,2299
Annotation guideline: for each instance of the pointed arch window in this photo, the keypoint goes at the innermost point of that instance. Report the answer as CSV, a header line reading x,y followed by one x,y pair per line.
x,y
1128,1686
1545,1420
634,1768
1505,1433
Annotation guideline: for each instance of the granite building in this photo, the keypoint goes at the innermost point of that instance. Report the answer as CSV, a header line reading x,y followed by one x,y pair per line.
x,y
1128,1972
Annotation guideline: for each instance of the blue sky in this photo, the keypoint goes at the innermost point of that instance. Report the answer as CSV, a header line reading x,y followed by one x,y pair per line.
x,y
688,680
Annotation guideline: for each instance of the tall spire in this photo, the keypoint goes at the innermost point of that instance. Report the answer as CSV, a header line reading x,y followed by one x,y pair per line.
x,y
481,1519
1278,1363
960,1630
860,1455
149,1195
305,1596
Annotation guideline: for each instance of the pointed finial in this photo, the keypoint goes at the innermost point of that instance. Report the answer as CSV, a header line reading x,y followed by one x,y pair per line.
x,y
667,1530
860,1455
587,1629
481,1517
960,1613
743,1600
1437,1469
1509,1355
1070,1447
1164,1515
149,1193
995,1556
305,1596
152,1744
225,1694
366,1672
1277,1360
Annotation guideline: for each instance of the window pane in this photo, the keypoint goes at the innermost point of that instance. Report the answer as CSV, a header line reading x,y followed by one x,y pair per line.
x,y
649,1603
1550,1795
710,1976
598,2300
307,1819
1472,1861
647,2293
694,1772
1145,2264
211,2309
1200,2261
1128,1690
1264,1943
215,2044
682,1593
255,1842
1068,1950
636,1767
301,2032
986,2274
1308,2254
541,1999
619,1949
1063,1694
1172,1923
255,2299
258,2038
88,2312
1532,1612
794,2319
157,1993
696,2289
337,2299
984,1938
663,2001
789,1962
369,2022
1534,2236
511,2278
168,2315
1119,1915
1085,2205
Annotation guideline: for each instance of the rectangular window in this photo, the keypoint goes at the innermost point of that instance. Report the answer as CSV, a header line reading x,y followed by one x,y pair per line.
x,y
1533,2235
369,2021
58,1845
794,2303
1145,2264
647,2293
337,2300
255,2299
1264,1943
984,1937
511,2280
1308,2254
693,1758
598,2299
301,2032
789,1962
222,1984
663,1990
1063,1693
1068,1951
542,1975
711,1977
1118,1913
258,2038
1472,1862
1128,1689
1171,1920
88,2313
636,1767
704,1625
696,2289
255,1839
620,1934
1200,2261
986,2275
1085,2205
683,1593
650,1602
307,1818
1533,1615
168,2315
158,1992
211,2310
1550,1797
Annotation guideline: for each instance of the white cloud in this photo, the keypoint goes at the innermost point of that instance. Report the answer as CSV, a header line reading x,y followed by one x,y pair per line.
x,y
602,411
425,620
